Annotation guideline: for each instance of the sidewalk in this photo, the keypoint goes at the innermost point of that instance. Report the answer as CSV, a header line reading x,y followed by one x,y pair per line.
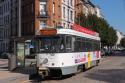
x,y
17,76
10,77
3,61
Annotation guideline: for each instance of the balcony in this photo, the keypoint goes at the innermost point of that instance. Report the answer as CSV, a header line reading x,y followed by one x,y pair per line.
x,y
43,14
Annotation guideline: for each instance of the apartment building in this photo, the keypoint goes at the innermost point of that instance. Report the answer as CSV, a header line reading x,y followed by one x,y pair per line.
x,y
54,13
67,13
28,17
86,7
46,14
4,25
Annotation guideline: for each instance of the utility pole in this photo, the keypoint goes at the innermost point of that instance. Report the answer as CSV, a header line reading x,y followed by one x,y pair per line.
x,y
19,27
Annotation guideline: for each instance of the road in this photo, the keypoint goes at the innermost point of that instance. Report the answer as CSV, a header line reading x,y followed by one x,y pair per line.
x,y
110,70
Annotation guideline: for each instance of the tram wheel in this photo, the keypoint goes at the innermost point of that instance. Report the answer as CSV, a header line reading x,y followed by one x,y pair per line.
x,y
80,68
97,62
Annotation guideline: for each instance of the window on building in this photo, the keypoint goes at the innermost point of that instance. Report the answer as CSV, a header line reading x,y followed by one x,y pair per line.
x,y
42,24
32,26
68,13
0,10
59,10
53,8
42,8
32,8
71,15
71,3
64,25
64,12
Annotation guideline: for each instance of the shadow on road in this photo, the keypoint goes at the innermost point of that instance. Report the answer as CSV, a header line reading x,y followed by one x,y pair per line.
x,y
108,75
34,78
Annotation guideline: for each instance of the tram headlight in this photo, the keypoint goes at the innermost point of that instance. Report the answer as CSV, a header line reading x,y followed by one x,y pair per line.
x,y
45,61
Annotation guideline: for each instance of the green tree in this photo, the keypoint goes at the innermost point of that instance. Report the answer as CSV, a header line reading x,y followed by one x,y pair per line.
x,y
100,25
112,37
122,42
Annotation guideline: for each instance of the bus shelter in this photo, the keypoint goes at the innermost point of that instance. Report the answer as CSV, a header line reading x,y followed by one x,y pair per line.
x,y
20,49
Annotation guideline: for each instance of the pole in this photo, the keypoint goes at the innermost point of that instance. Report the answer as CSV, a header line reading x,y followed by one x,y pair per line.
x,y
19,27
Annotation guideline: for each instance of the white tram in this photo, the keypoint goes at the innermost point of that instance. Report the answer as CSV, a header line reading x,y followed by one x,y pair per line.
x,y
66,52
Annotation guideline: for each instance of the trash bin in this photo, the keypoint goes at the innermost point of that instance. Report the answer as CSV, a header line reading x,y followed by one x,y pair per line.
x,y
11,62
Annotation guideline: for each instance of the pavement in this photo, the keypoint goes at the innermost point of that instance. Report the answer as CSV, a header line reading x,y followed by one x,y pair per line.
x,y
17,76
23,75
10,77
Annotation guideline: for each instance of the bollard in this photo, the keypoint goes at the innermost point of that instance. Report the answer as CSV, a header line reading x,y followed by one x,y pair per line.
x,y
11,62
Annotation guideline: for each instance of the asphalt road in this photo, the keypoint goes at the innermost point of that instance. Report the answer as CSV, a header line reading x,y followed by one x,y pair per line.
x,y
110,70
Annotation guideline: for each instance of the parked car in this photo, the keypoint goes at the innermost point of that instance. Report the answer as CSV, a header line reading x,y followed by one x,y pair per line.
x,y
105,52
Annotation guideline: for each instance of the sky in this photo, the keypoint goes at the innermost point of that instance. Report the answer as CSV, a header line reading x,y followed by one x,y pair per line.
x,y
114,12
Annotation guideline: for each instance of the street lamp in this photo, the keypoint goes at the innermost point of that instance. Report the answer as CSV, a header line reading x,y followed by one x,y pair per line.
x,y
19,27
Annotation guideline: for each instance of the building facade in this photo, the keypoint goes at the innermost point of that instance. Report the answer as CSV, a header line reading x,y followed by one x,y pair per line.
x,y
5,7
120,36
28,17
47,14
53,13
68,8
86,7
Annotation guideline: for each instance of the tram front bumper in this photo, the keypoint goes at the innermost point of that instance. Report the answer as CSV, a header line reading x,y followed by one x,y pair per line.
x,y
43,71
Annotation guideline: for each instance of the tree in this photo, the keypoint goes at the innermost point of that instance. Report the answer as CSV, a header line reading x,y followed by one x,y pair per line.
x,y
122,42
100,25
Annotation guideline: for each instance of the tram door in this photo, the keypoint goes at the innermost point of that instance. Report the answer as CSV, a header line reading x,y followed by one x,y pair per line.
x,y
20,54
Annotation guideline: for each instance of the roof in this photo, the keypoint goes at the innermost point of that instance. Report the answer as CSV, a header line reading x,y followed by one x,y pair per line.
x,y
76,33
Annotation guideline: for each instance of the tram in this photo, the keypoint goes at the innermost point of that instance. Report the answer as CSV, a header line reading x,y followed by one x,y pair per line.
x,y
67,51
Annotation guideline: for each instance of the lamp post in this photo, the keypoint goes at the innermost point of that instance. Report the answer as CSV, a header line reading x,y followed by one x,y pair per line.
x,y
19,27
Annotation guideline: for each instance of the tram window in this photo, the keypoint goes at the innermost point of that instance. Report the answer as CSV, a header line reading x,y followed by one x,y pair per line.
x,y
68,43
73,46
96,45
77,46
88,45
49,44
83,46
62,44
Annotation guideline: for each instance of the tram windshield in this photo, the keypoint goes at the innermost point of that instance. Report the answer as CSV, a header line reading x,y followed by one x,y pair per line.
x,y
51,44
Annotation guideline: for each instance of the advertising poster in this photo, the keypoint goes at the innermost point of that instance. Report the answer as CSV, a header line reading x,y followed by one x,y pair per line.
x,y
20,54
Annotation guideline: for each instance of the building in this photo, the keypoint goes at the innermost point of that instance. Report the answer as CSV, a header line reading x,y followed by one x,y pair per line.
x,y
53,13
5,7
117,46
40,14
98,12
14,18
120,36
86,7
28,17
67,13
